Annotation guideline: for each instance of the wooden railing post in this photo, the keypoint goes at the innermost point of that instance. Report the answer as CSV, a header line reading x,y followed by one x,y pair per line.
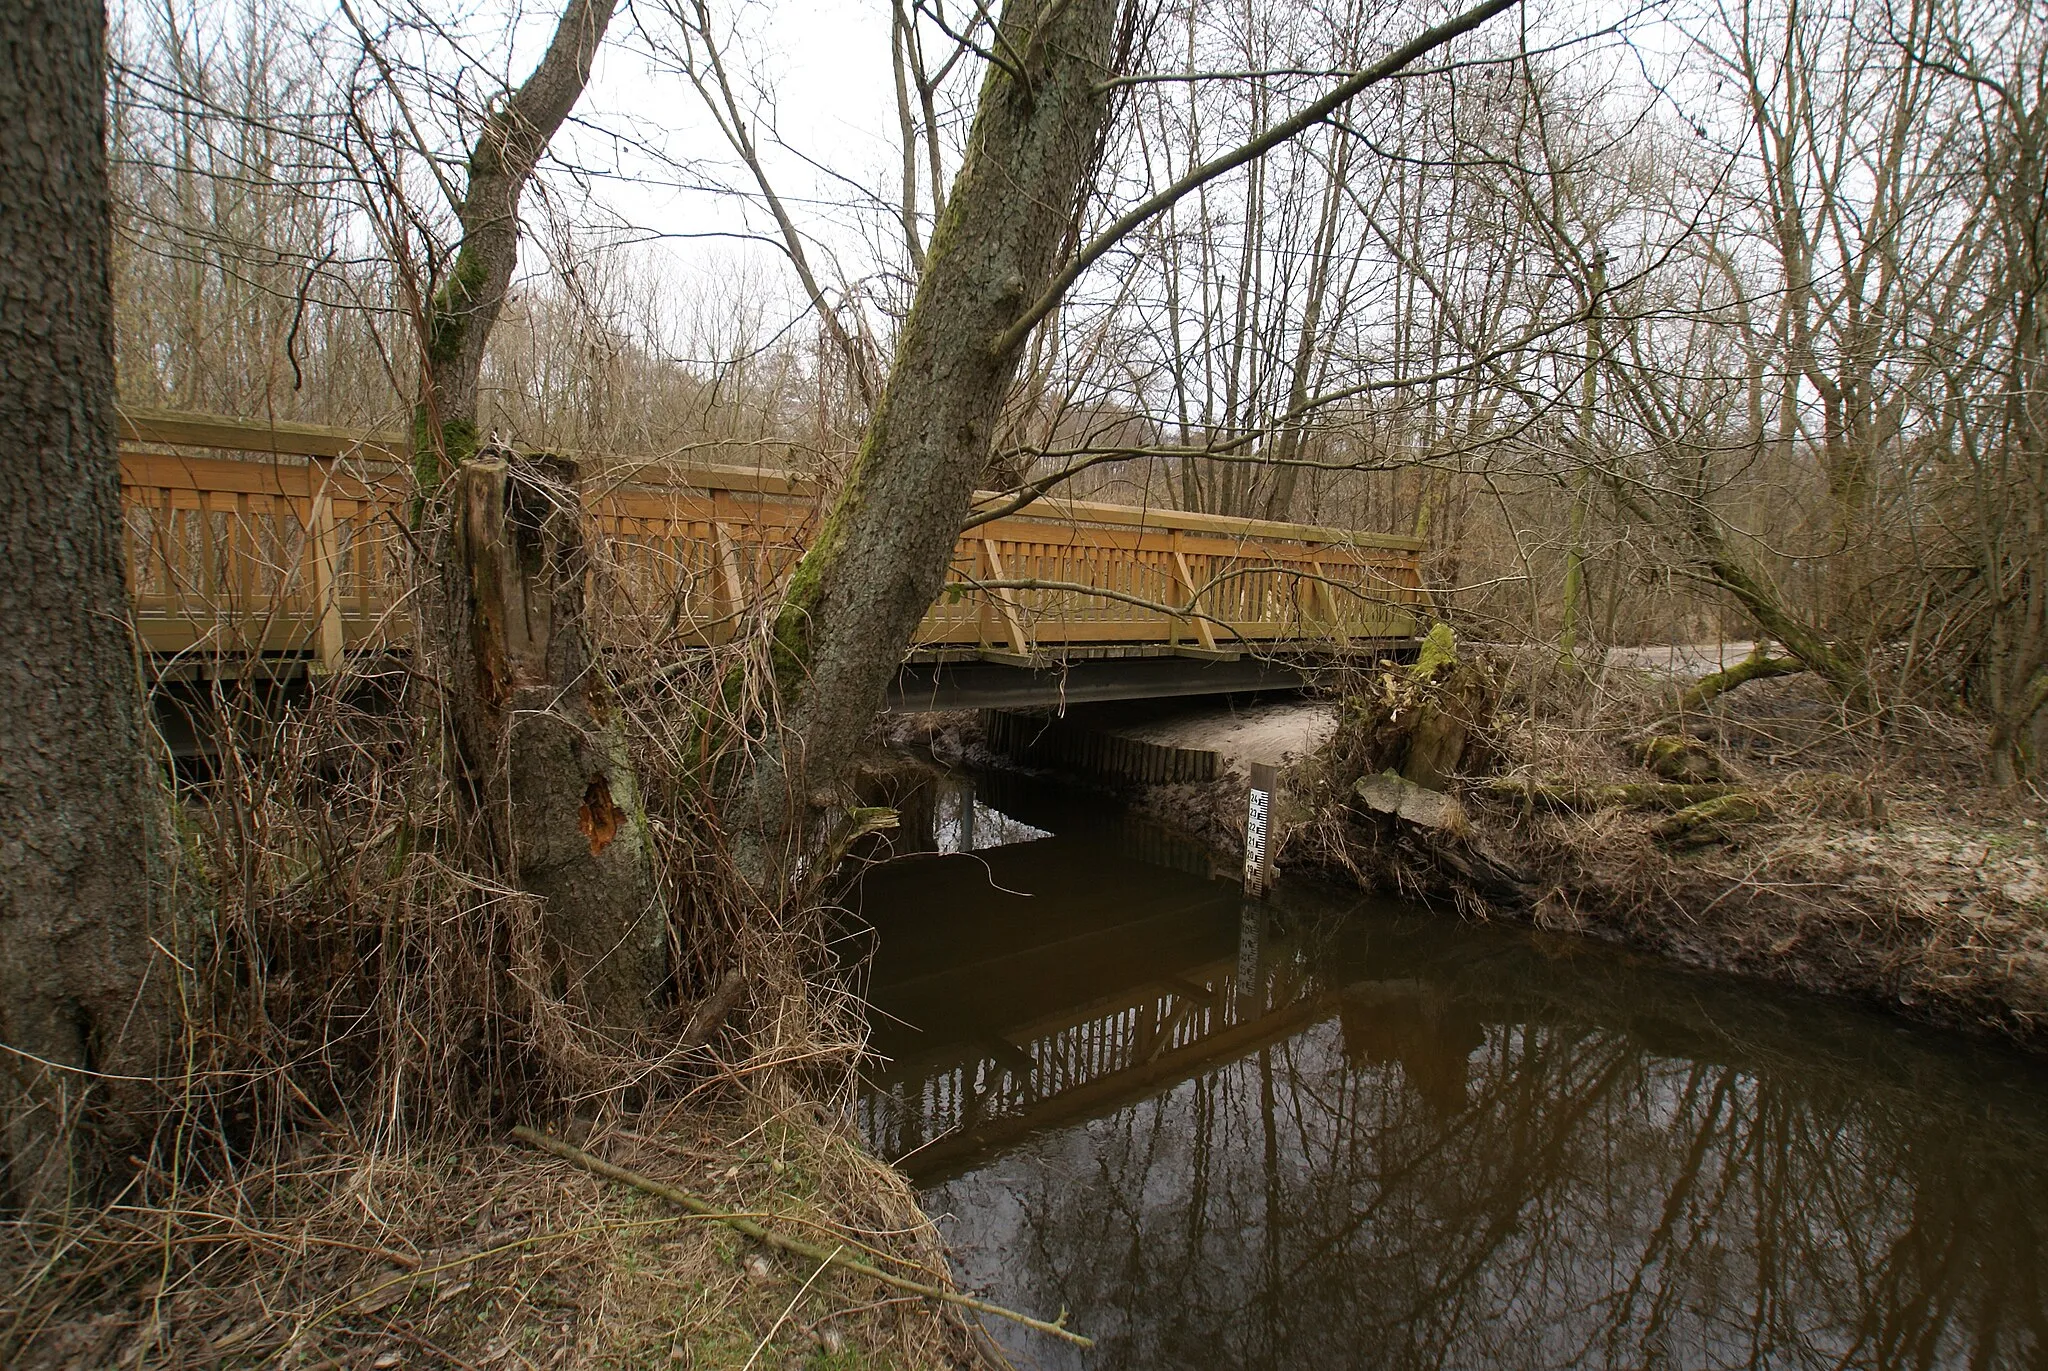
x,y
1329,600
1203,628
734,591
321,534
1006,600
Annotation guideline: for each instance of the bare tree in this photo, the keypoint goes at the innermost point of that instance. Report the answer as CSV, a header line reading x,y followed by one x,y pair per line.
x,y
544,766
993,273
463,309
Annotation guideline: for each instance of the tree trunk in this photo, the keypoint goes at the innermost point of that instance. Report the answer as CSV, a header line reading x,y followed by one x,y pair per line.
x,y
464,310
76,991
881,554
545,758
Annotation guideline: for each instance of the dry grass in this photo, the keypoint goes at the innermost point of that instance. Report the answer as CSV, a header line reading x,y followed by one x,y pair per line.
x,y
494,1255
365,1014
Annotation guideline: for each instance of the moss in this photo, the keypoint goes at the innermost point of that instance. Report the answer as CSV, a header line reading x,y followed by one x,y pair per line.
x,y
1675,757
789,650
458,442
1711,821
1439,651
449,316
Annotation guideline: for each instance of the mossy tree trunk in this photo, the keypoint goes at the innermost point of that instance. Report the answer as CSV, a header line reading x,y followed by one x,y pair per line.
x,y
544,756
83,1003
1685,512
1758,666
881,555
464,308
543,760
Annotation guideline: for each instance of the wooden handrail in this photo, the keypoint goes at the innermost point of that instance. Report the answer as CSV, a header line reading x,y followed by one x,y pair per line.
x,y
281,438
257,556
172,429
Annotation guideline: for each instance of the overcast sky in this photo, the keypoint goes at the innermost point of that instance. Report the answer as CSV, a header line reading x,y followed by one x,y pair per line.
x,y
824,69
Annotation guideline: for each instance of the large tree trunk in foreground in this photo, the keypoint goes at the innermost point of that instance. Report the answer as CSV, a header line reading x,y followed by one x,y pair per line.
x,y
75,989
880,558
545,758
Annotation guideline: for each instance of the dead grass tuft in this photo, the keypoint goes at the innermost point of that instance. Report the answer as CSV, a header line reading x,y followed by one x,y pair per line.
x,y
494,1255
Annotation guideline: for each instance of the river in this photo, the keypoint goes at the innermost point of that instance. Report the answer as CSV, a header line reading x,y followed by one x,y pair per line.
x,y
1332,1131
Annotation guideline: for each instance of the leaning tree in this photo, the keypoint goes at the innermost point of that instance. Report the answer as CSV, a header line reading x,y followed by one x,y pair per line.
x,y
994,270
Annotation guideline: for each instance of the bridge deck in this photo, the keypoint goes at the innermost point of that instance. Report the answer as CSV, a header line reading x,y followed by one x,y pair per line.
x,y
248,538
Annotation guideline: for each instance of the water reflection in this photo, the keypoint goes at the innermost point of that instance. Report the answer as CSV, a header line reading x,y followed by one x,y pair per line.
x,y
1223,1137
962,821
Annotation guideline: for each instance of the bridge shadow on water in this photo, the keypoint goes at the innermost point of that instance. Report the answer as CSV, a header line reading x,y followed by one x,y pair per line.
x,y
1327,1131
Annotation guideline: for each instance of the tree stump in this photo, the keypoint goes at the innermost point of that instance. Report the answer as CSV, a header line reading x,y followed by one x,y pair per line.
x,y
1419,722
539,739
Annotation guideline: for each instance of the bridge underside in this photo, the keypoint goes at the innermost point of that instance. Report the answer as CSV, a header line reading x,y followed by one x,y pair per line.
x,y
181,684
983,683
926,681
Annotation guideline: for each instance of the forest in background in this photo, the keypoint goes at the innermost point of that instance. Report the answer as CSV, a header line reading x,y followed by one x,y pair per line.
x,y
1705,322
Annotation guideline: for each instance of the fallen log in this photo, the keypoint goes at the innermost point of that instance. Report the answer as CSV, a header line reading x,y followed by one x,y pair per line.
x,y
1711,821
1758,665
1433,830
1401,798
1676,757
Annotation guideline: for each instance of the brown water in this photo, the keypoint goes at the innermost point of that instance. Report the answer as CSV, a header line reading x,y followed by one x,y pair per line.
x,y
1331,1132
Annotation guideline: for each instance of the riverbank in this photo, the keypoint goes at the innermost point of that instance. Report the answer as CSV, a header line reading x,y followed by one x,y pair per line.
x,y
495,1254
1873,864
1758,833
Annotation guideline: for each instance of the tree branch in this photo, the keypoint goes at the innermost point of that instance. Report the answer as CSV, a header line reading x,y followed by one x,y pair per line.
x,y
1245,152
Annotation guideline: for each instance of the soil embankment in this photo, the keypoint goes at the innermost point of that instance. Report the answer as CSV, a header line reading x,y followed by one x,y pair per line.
x,y
1761,833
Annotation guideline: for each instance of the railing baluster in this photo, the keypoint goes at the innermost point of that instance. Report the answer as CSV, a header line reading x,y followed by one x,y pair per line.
x,y
320,542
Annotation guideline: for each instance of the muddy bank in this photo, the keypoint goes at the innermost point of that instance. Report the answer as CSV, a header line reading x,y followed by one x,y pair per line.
x,y
1936,913
1761,834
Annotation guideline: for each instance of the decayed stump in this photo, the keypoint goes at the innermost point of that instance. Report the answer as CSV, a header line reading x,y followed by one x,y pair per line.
x,y
540,742
1419,722
1412,731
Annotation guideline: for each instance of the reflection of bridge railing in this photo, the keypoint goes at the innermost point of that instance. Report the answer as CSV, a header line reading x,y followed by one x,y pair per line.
x,y
958,1104
292,543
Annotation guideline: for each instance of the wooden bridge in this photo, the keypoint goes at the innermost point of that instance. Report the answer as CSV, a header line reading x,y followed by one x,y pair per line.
x,y
287,543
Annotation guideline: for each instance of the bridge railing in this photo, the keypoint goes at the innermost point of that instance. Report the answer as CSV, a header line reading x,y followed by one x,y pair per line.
x,y
247,538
